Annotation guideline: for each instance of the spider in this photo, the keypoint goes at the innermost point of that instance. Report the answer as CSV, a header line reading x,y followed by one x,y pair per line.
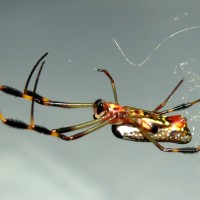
x,y
127,122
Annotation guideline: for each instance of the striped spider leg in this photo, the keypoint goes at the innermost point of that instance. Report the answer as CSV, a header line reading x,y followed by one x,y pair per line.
x,y
34,97
127,122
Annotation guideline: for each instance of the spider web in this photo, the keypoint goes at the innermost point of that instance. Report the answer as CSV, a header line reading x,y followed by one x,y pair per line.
x,y
192,84
186,69
155,49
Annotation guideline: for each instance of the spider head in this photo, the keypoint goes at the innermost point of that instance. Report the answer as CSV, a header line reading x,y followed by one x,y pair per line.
x,y
100,108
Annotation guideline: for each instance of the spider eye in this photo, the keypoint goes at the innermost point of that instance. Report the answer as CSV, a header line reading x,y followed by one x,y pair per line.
x,y
99,106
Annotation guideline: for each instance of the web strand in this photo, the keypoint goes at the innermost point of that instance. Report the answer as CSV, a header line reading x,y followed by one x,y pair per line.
x,y
153,52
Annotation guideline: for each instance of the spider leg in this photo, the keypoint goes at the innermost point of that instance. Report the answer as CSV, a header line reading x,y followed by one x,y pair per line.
x,y
79,126
28,95
112,83
180,107
83,133
170,95
32,123
97,124
179,150
176,108
45,101
32,71
54,132
42,100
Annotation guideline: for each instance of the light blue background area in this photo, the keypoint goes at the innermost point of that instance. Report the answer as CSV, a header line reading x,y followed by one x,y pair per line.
x,y
79,37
